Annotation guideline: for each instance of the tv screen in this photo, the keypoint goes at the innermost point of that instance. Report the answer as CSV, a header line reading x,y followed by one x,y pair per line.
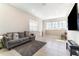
x,y
72,19
78,21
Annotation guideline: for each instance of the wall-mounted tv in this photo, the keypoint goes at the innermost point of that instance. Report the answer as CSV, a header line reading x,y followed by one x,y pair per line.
x,y
73,19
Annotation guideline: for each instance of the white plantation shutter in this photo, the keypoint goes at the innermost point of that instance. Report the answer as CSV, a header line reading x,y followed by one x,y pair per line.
x,y
56,25
33,25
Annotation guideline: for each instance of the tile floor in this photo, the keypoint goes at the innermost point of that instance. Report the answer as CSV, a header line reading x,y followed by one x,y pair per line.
x,y
54,47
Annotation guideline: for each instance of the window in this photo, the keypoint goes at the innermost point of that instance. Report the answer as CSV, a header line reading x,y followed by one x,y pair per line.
x,y
33,25
56,25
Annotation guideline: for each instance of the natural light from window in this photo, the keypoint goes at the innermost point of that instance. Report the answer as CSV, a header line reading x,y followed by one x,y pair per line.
x,y
33,25
56,25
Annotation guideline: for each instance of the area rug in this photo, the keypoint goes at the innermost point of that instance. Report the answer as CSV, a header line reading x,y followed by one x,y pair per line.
x,y
30,48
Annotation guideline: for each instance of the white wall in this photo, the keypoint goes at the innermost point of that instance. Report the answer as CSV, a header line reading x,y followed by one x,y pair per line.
x,y
13,19
73,35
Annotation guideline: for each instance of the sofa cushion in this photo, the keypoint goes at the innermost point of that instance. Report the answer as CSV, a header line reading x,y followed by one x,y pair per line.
x,y
21,34
26,33
25,38
10,36
17,41
13,42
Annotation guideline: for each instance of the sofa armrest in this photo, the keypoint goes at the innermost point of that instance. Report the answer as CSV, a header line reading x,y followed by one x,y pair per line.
x,y
5,41
32,36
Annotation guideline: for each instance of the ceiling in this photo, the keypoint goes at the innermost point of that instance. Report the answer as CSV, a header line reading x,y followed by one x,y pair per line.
x,y
46,10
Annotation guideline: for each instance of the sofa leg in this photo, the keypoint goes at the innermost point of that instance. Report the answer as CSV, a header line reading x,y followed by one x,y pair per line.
x,y
9,48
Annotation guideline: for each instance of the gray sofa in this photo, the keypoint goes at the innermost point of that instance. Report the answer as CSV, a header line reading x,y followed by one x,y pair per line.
x,y
13,39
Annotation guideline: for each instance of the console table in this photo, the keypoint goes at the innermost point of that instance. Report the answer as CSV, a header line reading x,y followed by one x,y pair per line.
x,y
72,47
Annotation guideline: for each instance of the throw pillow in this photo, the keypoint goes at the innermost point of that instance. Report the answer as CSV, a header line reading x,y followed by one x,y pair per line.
x,y
21,34
10,36
15,36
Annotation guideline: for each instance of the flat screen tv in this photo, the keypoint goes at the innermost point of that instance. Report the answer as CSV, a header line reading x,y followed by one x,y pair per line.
x,y
77,21
73,19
